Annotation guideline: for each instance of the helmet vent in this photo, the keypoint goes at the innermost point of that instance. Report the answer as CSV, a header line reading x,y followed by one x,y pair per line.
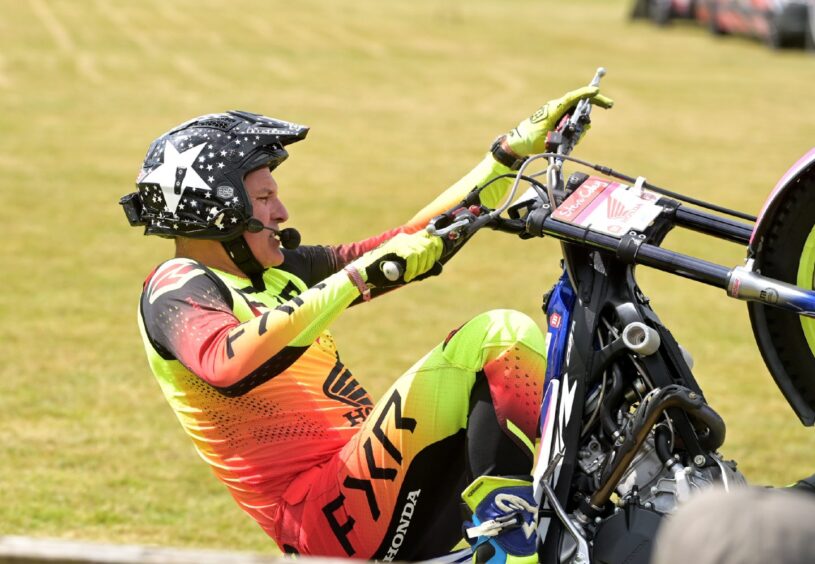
x,y
224,124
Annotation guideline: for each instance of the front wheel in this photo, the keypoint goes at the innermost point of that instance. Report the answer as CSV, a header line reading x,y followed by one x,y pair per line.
x,y
787,340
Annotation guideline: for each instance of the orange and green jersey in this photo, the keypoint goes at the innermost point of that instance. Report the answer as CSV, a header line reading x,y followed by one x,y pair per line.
x,y
253,377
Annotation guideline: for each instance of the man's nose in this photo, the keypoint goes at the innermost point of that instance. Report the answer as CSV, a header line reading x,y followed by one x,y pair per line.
x,y
281,213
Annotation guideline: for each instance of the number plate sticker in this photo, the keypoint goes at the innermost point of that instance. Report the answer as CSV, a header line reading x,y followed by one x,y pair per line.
x,y
609,207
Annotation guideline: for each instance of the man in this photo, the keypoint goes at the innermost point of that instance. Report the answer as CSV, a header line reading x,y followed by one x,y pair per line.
x,y
236,332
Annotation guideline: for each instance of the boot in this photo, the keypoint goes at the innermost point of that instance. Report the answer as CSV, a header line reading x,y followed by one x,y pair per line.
x,y
503,520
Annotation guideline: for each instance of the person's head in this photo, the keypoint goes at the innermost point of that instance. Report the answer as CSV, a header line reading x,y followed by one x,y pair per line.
x,y
269,210
209,177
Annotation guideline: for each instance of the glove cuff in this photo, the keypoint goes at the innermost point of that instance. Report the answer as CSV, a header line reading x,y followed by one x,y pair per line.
x,y
502,153
355,277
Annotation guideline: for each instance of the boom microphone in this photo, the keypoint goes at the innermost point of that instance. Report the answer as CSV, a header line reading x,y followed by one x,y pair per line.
x,y
289,237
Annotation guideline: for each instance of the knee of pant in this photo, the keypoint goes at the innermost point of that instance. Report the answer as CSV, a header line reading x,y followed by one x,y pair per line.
x,y
516,319
483,337
508,325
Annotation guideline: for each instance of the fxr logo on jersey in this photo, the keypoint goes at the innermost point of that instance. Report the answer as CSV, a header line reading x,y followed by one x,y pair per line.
x,y
335,509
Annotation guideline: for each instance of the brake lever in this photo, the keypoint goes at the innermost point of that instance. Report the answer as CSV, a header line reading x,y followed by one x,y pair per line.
x,y
459,219
451,231
451,227
572,125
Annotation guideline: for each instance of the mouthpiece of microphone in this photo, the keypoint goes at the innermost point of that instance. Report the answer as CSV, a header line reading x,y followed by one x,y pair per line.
x,y
289,237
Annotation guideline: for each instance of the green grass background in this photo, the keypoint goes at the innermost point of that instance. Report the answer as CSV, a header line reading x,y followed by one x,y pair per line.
x,y
403,97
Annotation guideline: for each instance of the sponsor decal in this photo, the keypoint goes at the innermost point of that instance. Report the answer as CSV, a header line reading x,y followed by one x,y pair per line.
x,y
769,295
619,214
404,524
554,321
734,292
169,277
341,530
340,385
625,209
580,199
225,192
617,209
509,503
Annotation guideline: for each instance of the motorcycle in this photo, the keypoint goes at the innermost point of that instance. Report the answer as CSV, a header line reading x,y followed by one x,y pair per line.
x,y
625,432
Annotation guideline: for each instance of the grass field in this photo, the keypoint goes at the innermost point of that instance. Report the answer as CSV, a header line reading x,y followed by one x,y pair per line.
x,y
403,97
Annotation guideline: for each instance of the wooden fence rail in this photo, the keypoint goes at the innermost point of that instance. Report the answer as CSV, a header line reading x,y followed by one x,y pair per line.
x,y
15,549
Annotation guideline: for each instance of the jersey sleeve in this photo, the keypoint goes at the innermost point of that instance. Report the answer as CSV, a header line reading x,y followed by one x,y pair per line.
x,y
187,315
312,264
483,172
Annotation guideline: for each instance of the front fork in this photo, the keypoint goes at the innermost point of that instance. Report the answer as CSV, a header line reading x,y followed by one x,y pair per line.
x,y
560,420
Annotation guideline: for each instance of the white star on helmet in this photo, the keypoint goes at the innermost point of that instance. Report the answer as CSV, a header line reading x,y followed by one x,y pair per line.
x,y
164,174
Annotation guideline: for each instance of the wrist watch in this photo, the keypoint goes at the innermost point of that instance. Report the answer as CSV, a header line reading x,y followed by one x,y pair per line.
x,y
506,158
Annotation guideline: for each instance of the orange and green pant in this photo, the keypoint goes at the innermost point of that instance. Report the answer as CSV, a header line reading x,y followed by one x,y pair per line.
x,y
469,407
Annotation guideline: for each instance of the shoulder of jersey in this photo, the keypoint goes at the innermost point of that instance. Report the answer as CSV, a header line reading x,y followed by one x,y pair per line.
x,y
170,276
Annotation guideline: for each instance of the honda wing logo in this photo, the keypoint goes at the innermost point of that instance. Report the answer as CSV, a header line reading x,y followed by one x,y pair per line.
x,y
619,211
343,387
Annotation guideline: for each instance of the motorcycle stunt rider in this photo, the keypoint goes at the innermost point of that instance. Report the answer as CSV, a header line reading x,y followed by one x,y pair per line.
x,y
235,327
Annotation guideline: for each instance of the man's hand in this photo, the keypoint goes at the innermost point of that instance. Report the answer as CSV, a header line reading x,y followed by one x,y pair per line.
x,y
417,254
529,137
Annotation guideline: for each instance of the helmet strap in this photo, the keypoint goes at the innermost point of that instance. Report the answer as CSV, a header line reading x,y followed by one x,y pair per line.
x,y
240,253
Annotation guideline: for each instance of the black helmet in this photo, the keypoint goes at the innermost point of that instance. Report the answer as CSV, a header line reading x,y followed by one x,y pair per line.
x,y
191,182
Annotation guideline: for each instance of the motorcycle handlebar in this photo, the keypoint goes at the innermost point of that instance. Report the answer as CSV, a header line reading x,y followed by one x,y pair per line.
x,y
462,228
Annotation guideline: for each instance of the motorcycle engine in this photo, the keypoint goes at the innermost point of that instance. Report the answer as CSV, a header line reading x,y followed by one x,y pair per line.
x,y
663,486
649,490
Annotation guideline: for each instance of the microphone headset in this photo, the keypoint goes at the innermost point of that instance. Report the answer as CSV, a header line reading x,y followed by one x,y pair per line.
x,y
289,237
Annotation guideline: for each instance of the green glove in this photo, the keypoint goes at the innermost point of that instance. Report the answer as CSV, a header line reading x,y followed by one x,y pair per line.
x,y
529,137
417,254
